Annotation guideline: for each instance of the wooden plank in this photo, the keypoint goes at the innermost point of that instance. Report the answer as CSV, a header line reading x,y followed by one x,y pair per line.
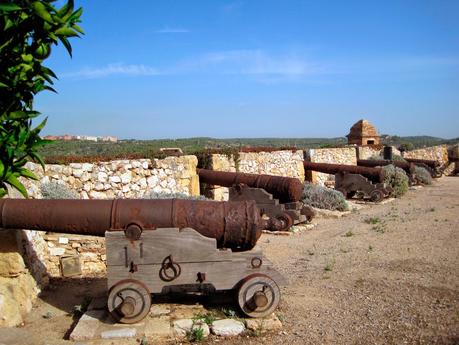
x,y
186,245
223,275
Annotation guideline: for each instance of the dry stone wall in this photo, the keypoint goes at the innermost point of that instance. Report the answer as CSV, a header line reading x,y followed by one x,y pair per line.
x,y
102,180
122,178
438,153
340,155
280,163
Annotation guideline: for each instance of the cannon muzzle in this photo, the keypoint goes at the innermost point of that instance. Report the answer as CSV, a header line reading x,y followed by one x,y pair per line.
x,y
286,189
235,225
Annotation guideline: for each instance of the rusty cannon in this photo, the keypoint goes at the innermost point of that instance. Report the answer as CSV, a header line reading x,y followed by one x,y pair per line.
x,y
409,168
432,166
276,196
159,246
354,180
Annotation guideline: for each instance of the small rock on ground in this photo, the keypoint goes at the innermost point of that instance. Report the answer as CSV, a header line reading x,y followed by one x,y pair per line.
x,y
227,327
270,323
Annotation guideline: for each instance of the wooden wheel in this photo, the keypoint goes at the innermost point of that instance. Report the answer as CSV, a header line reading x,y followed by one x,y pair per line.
x,y
286,221
129,301
258,295
376,195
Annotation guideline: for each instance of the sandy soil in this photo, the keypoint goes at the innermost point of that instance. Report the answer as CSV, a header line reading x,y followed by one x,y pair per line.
x,y
386,274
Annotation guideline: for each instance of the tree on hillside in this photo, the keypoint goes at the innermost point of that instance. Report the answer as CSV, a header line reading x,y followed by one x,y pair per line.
x,y
28,30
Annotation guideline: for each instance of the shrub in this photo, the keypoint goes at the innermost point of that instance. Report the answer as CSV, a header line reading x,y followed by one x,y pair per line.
x,y
56,190
397,179
323,197
156,195
422,175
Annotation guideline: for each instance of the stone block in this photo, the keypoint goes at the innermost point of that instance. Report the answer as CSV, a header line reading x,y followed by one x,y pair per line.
x,y
158,327
227,327
56,251
159,310
268,324
119,333
84,330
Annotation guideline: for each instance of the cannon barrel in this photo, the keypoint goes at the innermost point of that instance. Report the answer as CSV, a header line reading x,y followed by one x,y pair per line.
x,y
235,225
374,174
407,167
430,163
286,189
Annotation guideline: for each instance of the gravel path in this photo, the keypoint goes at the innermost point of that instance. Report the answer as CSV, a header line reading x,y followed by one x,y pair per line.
x,y
387,274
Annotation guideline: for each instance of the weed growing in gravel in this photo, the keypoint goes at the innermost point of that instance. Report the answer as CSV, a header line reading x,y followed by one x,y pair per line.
x,y
196,334
231,313
432,209
381,228
349,234
144,341
370,248
80,309
372,220
329,266
208,318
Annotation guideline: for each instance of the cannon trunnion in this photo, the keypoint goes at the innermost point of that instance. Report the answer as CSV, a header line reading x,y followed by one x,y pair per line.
x,y
155,246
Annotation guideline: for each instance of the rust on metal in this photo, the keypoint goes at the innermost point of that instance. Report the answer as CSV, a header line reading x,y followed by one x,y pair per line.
x,y
407,167
430,163
374,174
286,189
235,225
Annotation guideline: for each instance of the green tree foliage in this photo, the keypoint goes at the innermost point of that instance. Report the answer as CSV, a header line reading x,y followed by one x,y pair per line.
x,y
28,31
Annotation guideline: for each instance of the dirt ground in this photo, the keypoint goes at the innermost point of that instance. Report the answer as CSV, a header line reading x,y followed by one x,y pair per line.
x,y
386,274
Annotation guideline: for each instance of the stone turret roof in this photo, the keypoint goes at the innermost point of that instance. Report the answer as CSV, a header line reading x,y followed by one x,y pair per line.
x,y
363,128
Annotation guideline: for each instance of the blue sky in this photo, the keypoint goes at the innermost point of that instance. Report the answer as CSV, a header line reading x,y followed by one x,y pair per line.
x,y
258,68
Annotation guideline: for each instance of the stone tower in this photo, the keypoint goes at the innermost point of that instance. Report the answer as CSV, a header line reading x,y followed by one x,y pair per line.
x,y
363,133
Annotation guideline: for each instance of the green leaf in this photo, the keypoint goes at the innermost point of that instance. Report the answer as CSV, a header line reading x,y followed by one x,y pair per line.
x,y
76,15
42,12
9,7
77,28
13,181
35,156
27,173
66,44
3,84
66,10
67,32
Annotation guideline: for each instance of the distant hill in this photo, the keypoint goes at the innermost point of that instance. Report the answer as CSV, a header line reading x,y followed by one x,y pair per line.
x,y
149,148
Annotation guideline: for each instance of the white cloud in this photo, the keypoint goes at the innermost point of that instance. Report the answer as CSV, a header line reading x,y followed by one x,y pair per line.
x,y
256,63
113,69
168,30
